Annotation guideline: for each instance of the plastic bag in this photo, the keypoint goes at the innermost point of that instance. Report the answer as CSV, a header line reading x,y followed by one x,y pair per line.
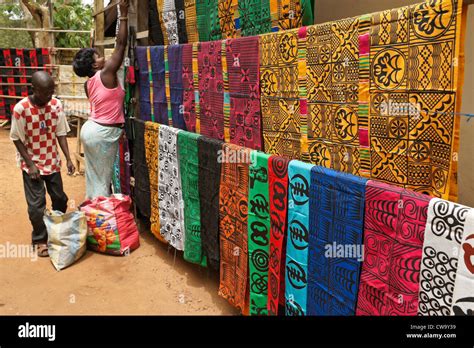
x,y
111,225
66,237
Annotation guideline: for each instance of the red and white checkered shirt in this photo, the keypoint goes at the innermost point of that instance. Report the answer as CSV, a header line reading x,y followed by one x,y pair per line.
x,y
38,128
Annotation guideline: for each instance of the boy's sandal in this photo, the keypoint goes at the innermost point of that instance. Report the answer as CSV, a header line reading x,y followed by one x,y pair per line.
x,y
42,250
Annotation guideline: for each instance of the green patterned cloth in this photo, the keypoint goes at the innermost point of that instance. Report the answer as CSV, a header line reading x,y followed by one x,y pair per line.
x,y
189,169
255,17
208,20
259,232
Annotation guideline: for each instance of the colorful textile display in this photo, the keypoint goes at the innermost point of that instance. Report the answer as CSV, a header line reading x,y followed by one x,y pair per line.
x,y
189,170
151,152
445,228
209,184
154,27
463,299
211,89
153,100
170,192
17,65
233,219
142,188
244,93
174,67
189,107
124,165
278,195
209,20
296,287
258,232
279,94
376,95
336,225
394,227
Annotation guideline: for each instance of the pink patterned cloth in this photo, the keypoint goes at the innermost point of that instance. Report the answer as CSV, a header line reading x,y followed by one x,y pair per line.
x,y
395,221
189,104
244,73
211,90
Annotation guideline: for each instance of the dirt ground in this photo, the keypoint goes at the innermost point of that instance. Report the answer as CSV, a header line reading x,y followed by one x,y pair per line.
x,y
151,281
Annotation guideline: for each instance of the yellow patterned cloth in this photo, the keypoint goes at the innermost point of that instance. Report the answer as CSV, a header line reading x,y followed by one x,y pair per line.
x,y
381,95
151,153
191,20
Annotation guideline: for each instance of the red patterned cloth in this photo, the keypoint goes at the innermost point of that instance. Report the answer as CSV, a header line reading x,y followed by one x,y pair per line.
x,y
243,66
278,189
395,221
211,90
188,86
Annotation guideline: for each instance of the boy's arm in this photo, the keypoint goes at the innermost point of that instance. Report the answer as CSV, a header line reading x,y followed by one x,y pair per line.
x,y
33,171
64,146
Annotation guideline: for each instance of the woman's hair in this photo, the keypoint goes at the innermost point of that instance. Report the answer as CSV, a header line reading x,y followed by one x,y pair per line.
x,y
83,62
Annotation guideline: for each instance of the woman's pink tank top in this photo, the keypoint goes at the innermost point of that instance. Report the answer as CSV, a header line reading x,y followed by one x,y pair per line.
x,y
106,103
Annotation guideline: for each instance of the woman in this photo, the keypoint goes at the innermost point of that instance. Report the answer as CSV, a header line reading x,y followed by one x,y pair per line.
x,y
101,133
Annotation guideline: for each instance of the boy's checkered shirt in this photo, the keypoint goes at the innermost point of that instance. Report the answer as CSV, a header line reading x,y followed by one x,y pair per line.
x,y
38,128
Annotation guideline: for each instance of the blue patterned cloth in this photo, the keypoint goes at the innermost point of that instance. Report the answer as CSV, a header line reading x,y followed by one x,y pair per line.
x,y
337,202
296,288
175,61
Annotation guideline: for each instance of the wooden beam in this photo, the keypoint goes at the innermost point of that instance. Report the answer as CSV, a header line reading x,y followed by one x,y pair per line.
x,y
142,35
102,9
99,24
107,42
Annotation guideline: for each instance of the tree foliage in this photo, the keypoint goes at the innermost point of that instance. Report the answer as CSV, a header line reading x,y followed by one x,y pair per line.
x,y
67,15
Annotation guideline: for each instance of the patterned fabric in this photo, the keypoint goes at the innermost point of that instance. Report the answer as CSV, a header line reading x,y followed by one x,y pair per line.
x,y
416,150
15,77
142,186
463,299
296,287
189,108
280,94
189,170
367,112
144,82
211,88
151,153
170,192
244,91
125,165
208,20
175,58
209,184
170,21
116,187
445,228
191,21
153,101
224,19
254,17
229,20
181,21
154,26
278,195
258,232
38,129
336,225
394,227
233,210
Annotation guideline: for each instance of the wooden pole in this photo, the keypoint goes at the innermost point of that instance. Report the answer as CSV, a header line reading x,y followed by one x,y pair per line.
x,y
99,24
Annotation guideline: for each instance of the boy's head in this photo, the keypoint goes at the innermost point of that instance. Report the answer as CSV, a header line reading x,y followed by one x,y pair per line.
x,y
43,87
87,61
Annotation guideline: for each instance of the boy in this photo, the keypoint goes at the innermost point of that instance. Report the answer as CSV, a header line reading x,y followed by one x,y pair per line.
x,y
38,121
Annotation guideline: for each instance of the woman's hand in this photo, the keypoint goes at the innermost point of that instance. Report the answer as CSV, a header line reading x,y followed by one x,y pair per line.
x,y
124,4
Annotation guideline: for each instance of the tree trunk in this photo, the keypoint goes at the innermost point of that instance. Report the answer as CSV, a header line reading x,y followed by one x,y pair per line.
x,y
39,17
